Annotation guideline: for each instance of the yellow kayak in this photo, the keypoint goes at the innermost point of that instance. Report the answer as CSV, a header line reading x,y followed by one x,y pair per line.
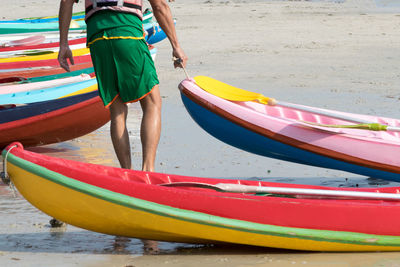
x,y
76,52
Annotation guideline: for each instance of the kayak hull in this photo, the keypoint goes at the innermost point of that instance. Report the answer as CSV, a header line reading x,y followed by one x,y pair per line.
x,y
284,138
134,204
52,122
49,93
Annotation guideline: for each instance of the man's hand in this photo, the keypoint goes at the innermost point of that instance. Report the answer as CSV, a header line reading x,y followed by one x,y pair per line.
x,y
64,54
180,57
163,16
64,20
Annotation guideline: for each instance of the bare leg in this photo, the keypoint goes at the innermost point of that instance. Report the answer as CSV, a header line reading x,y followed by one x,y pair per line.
x,y
119,133
150,135
150,128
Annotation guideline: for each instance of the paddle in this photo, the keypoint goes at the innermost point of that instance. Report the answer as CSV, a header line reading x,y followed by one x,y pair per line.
x,y
232,93
237,188
362,126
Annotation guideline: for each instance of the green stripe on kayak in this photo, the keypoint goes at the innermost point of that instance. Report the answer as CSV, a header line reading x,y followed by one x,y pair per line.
x,y
58,76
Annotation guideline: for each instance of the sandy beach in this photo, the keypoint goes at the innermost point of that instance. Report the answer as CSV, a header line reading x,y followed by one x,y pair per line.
x,y
342,55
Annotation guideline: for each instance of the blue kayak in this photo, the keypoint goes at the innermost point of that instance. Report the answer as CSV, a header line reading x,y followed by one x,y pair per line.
x,y
154,32
45,94
37,108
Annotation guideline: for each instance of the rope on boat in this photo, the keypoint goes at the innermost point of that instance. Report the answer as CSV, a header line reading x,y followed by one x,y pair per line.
x,y
4,175
179,61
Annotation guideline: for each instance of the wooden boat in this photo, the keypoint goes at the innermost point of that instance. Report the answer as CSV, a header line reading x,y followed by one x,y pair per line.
x,y
279,132
176,208
26,87
52,121
49,93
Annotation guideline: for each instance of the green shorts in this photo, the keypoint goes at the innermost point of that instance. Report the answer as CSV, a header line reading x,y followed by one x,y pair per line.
x,y
123,66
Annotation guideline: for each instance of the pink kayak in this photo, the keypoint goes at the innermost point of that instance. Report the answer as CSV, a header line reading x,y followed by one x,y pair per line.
x,y
25,87
280,132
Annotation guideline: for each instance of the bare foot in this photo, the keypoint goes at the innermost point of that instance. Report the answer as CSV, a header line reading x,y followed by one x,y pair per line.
x,y
150,247
120,243
54,223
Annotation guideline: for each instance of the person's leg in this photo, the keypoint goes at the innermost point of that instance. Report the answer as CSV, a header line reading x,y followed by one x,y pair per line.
x,y
150,128
119,133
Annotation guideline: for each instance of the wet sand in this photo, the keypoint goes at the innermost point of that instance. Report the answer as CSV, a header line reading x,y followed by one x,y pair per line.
x,y
333,54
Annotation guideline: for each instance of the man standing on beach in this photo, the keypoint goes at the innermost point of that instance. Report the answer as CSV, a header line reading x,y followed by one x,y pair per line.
x,y
123,65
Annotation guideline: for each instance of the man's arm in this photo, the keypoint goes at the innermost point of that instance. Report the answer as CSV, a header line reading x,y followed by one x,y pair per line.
x,y
163,15
64,21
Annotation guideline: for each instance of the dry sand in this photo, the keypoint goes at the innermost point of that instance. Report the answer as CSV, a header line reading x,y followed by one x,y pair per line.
x,y
341,55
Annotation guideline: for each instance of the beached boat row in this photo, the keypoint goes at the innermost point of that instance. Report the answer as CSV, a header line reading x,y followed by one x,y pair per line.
x,y
31,81
42,104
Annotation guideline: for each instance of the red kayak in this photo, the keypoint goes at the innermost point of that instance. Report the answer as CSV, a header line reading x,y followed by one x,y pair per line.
x,y
42,126
44,71
168,207
41,63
